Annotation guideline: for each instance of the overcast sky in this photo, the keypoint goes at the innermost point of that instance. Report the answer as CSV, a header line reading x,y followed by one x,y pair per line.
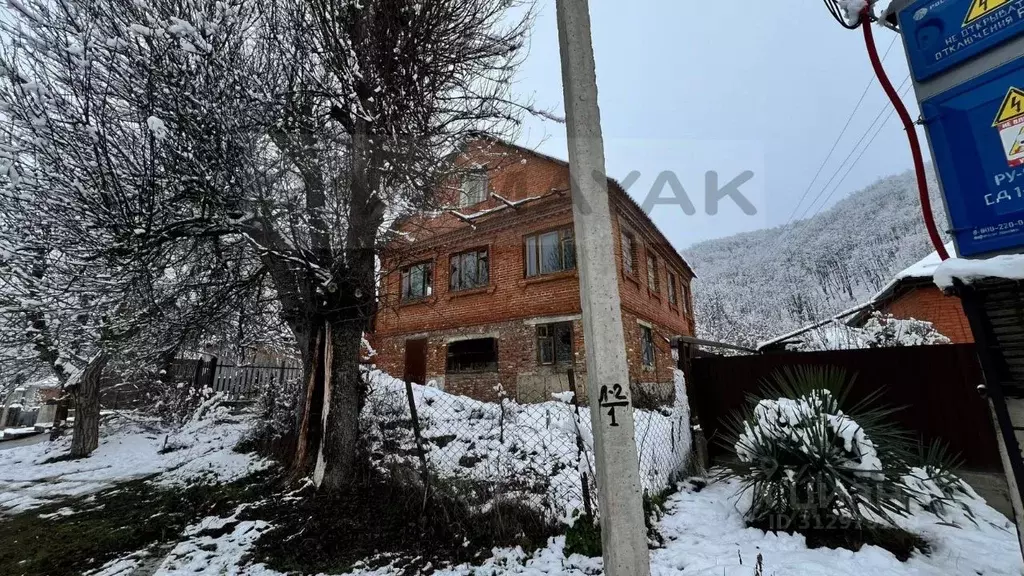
x,y
728,86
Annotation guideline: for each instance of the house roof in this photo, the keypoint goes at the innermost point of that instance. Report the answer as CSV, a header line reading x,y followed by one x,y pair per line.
x,y
614,187
917,273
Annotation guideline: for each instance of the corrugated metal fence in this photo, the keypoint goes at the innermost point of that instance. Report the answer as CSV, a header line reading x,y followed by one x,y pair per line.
x,y
936,386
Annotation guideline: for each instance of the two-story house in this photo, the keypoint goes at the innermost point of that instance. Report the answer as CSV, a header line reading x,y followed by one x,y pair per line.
x,y
483,299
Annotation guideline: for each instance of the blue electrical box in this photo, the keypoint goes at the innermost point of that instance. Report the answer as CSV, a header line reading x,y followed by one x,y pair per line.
x,y
967,61
977,134
940,34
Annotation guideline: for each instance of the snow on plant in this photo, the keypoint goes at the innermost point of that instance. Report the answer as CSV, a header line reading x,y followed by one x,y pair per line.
x,y
885,331
879,331
800,422
805,457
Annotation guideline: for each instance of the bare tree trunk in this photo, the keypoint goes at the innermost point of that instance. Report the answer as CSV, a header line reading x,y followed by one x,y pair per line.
x,y
341,433
86,435
311,370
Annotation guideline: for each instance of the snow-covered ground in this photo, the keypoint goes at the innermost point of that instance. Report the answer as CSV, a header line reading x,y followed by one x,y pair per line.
x,y
129,449
16,431
703,530
530,447
704,534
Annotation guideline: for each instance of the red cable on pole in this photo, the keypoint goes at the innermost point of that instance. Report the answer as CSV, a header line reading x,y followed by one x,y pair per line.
x,y
908,125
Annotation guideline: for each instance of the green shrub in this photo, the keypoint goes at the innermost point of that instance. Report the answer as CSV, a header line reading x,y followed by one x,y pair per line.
x,y
811,460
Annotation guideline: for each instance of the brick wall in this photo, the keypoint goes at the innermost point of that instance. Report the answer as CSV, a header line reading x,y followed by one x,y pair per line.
x,y
930,304
637,298
511,299
517,358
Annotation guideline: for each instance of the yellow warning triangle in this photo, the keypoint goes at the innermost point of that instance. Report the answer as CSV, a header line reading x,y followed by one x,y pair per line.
x,y
980,8
1018,148
1012,108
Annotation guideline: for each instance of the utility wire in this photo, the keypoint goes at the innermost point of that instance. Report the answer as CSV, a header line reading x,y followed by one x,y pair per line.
x,y
865,149
870,127
842,133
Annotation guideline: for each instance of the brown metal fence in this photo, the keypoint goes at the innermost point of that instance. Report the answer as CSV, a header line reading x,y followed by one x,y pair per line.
x,y
936,386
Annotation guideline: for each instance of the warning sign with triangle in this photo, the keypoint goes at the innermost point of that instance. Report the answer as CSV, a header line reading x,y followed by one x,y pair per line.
x,y
981,8
1012,107
1012,135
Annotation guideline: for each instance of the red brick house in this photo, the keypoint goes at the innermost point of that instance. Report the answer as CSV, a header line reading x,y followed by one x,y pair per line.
x,y
483,299
913,294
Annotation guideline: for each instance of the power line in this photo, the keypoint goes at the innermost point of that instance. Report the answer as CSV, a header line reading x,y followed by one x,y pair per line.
x,y
863,150
887,108
835,144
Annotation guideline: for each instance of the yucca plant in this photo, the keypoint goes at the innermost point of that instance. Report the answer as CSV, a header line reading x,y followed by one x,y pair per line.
x,y
934,484
810,458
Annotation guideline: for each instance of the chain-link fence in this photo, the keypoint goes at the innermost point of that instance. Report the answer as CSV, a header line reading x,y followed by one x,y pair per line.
x,y
532,451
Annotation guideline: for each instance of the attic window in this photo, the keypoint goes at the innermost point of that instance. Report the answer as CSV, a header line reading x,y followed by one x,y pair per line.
x,y
474,188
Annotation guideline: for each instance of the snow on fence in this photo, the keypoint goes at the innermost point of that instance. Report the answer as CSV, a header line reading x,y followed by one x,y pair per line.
x,y
540,454
247,382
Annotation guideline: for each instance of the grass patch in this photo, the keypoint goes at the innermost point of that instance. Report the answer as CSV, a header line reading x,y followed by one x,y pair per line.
x,y
584,537
382,520
112,523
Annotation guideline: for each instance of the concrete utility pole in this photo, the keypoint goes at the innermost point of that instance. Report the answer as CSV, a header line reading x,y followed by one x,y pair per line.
x,y
623,532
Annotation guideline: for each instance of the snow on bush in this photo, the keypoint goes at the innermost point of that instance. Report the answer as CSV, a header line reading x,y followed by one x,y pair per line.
x,y
523,452
800,424
805,456
879,331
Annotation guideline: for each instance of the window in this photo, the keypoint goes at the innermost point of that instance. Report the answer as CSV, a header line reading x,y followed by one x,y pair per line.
x,y
480,355
652,272
469,270
474,188
550,252
628,253
647,346
672,299
686,298
554,343
417,281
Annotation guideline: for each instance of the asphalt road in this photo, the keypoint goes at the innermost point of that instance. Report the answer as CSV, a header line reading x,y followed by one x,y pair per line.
x,y
27,441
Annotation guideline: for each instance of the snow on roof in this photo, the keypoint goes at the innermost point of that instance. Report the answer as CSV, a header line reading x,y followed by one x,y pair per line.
x,y
923,268
799,331
1008,266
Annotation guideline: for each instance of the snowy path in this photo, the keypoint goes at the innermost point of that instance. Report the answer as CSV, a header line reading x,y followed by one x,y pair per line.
x,y
201,447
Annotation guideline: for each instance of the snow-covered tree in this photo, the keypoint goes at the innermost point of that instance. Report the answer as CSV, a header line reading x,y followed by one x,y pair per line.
x,y
755,286
107,251
165,157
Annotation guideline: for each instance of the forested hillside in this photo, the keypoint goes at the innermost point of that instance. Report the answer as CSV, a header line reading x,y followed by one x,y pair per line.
x,y
754,286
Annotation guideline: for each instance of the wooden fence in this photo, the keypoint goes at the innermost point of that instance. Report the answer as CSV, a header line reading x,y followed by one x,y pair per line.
x,y
238,383
936,387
